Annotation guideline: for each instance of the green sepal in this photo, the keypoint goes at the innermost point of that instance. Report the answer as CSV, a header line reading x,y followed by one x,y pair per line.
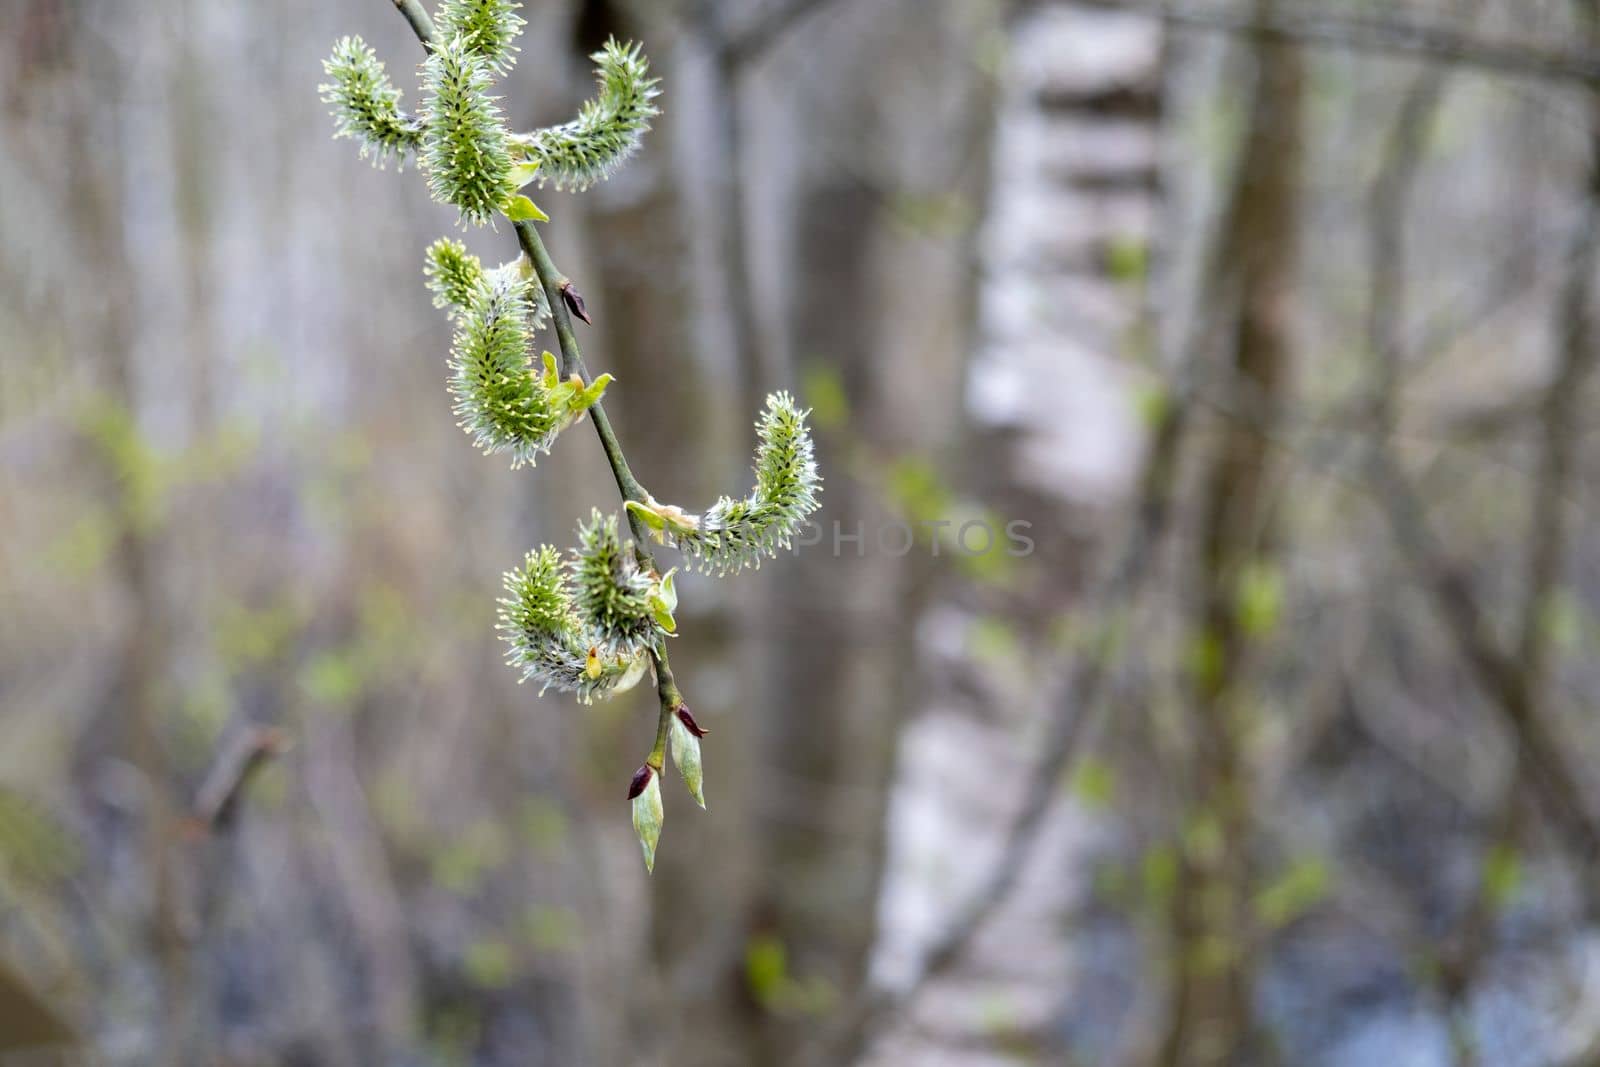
x,y
650,517
663,519
524,172
521,209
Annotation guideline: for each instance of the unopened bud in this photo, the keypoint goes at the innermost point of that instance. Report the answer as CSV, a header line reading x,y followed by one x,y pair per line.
x,y
685,739
574,301
648,814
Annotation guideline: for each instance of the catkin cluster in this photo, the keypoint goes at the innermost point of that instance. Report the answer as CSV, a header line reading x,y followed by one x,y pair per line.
x,y
593,620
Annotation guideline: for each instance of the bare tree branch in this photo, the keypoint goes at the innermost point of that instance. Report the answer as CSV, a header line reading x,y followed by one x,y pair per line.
x,y
236,764
1310,24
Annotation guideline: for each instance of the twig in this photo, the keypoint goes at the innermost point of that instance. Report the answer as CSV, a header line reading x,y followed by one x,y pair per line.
x,y
1310,25
421,23
1496,672
236,764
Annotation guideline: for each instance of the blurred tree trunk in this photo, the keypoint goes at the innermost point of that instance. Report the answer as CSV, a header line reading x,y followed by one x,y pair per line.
x,y
863,128
130,725
1213,939
1074,193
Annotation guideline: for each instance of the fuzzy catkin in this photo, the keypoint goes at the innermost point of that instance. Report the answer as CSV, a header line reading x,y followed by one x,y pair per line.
x,y
612,593
366,105
608,129
466,150
546,639
735,534
490,29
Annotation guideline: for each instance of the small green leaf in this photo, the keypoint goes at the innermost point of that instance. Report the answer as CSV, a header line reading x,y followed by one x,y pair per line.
x,y
1159,872
589,397
1095,784
766,967
664,601
489,964
649,516
1502,875
1294,892
523,173
1260,603
521,209
663,517
824,391
1127,259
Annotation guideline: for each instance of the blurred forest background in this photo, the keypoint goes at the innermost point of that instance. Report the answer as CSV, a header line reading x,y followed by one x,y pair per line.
x,y
1275,320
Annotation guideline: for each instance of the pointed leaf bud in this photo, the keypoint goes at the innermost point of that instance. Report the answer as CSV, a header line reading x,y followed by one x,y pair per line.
x,y
648,813
685,738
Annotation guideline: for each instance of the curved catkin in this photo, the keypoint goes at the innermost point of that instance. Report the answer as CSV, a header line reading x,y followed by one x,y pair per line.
x,y
366,105
735,534
612,593
577,154
465,147
489,27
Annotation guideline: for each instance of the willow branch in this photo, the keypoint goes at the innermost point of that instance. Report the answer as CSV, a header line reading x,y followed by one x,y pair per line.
x,y
236,764
421,23
555,286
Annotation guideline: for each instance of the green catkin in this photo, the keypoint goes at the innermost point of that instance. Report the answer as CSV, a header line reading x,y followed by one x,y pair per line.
x,y
490,28
612,593
735,534
608,128
466,150
502,400
366,105
546,639
453,274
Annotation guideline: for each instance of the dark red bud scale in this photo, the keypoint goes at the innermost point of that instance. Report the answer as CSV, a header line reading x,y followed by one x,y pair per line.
x,y
687,718
641,778
574,301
